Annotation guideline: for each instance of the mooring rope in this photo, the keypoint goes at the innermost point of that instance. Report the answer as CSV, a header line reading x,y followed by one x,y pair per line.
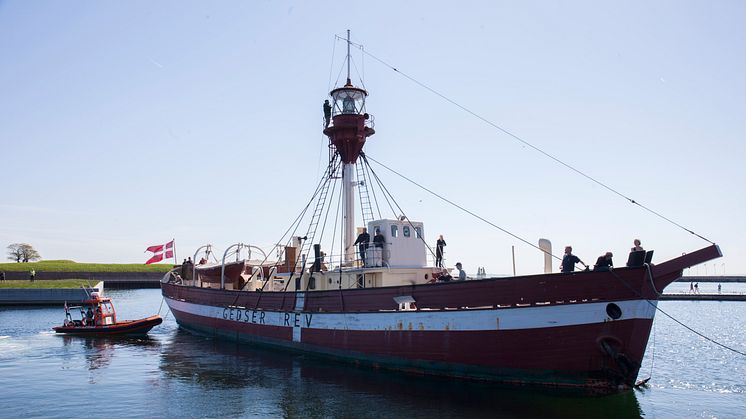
x,y
655,306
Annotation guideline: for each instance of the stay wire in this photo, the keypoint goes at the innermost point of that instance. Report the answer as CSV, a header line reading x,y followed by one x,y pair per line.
x,y
386,192
380,185
331,167
521,140
366,166
462,208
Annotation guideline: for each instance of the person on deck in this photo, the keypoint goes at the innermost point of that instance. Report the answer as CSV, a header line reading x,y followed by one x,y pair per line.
x,y
379,240
363,241
32,275
604,262
89,317
461,273
637,246
569,261
439,245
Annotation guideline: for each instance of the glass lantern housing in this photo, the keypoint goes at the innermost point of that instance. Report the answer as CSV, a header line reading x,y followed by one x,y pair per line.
x,y
349,100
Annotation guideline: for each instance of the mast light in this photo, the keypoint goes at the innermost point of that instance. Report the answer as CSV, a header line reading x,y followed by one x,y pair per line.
x,y
349,100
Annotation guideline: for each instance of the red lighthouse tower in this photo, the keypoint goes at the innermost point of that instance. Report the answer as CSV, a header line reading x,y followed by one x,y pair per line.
x,y
350,127
350,123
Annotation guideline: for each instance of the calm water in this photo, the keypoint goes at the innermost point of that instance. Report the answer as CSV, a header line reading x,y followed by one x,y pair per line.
x,y
174,374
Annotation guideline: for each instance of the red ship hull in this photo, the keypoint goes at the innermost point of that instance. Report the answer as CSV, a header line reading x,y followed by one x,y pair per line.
x,y
587,329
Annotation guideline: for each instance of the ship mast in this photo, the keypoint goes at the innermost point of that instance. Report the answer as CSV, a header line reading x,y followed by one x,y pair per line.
x,y
347,133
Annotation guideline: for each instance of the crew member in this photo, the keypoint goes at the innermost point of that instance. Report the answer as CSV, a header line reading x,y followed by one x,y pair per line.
x,y
569,261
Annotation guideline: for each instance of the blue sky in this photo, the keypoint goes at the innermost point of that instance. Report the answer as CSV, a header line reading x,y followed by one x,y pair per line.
x,y
126,124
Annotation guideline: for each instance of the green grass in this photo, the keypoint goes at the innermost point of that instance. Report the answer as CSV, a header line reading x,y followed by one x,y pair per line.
x,y
70,266
62,283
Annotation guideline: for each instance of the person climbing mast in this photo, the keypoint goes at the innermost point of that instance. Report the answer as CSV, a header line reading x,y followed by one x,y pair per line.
x,y
327,113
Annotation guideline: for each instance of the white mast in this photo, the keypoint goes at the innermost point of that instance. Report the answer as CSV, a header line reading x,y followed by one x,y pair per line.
x,y
348,178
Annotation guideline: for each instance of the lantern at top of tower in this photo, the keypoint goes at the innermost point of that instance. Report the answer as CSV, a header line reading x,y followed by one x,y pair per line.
x,y
349,124
348,100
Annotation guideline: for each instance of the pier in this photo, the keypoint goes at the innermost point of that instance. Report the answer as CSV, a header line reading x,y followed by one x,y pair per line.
x,y
702,297
712,278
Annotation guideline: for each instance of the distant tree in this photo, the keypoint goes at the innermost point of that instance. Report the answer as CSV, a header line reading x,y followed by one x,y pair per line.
x,y
22,252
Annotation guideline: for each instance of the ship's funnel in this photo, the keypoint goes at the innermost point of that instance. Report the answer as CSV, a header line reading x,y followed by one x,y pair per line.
x,y
546,247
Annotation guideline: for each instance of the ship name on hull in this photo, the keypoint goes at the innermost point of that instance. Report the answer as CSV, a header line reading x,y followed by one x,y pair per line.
x,y
289,319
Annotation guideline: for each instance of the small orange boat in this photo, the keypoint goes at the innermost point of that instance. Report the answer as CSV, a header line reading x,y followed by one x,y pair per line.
x,y
98,318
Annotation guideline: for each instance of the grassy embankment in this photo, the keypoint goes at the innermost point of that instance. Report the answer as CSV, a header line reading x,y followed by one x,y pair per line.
x,y
71,266
61,283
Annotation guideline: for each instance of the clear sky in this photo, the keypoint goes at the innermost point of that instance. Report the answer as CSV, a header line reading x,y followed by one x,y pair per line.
x,y
126,124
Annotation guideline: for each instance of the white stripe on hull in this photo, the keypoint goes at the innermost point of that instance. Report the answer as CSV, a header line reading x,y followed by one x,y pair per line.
x,y
518,318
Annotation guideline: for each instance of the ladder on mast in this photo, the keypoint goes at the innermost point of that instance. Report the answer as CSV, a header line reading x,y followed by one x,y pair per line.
x,y
315,220
362,187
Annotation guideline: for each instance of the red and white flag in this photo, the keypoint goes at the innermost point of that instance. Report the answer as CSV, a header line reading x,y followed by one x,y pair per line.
x,y
160,251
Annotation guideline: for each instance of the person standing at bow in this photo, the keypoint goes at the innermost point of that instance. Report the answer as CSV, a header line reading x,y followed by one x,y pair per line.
x,y
569,261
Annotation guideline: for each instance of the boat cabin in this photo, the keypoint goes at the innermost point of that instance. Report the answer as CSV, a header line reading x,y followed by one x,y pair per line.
x,y
403,248
96,311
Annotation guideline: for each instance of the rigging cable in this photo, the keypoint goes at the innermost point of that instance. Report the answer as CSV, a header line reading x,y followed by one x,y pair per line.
x,y
462,208
327,174
366,166
333,165
532,245
385,191
526,143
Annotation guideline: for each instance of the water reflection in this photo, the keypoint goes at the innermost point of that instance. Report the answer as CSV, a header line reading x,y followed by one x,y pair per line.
x,y
99,352
263,381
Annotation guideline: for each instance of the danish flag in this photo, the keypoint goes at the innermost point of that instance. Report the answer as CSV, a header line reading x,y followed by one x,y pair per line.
x,y
160,251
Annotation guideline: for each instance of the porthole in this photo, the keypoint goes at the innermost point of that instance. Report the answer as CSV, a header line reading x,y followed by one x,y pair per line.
x,y
614,311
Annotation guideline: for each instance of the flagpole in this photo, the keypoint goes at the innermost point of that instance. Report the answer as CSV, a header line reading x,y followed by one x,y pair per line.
x,y
174,241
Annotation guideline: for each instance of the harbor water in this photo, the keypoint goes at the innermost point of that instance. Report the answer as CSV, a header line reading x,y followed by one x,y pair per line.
x,y
172,373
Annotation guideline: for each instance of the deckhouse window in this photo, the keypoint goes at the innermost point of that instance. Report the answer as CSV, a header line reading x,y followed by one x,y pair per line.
x,y
405,230
394,231
418,230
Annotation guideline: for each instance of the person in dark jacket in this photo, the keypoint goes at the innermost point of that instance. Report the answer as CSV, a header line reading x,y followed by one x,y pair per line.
x,y
363,241
439,245
569,261
327,113
604,262
379,240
